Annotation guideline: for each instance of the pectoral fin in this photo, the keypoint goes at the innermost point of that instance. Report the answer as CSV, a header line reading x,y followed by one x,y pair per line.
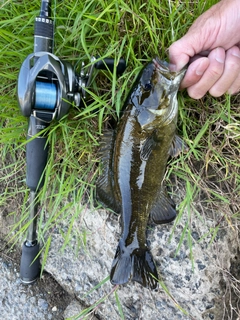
x,y
178,145
105,183
147,148
163,209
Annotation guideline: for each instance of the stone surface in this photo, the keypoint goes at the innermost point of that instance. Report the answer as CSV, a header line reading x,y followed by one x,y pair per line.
x,y
193,278
18,302
73,309
200,280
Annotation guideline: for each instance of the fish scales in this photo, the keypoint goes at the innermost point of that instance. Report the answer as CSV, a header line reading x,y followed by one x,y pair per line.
x,y
132,182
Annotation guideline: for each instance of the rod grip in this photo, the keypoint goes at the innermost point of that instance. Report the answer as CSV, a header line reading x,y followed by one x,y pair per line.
x,y
108,63
29,268
37,156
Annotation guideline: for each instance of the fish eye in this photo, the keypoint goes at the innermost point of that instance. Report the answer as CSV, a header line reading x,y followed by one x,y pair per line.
x,y
148,86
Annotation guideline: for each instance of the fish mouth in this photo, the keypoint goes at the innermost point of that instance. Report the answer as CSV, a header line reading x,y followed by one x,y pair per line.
x,y
164,68
170,81
161,65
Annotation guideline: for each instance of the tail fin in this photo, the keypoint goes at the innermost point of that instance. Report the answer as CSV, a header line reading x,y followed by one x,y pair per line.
x,y
133,264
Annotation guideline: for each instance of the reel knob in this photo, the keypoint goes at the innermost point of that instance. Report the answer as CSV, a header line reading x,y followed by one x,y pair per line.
x,y
108,64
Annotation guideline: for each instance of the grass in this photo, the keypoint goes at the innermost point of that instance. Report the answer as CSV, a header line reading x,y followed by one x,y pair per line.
x,y
135,30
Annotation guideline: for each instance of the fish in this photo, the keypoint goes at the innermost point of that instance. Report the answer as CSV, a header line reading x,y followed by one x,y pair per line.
x,y
134,158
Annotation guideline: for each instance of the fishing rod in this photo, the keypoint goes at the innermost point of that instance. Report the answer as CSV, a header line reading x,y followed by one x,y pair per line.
x,y
47,87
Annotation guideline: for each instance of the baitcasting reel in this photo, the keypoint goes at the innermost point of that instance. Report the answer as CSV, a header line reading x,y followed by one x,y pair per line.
x,y
47,87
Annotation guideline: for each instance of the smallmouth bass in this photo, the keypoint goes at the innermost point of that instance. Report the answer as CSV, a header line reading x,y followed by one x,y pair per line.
x,y
134,158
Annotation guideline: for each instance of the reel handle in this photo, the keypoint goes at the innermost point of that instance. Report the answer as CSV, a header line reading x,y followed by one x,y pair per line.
x,y
108,64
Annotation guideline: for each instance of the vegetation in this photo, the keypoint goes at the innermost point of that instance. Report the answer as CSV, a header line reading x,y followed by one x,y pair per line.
x,y
136,30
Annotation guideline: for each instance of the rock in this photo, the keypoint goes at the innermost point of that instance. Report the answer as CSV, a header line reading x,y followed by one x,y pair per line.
x,y
18,301
73,309
35,301
54,309
191,277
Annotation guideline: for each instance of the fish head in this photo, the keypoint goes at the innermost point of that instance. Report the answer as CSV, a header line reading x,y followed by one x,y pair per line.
x,y
155,94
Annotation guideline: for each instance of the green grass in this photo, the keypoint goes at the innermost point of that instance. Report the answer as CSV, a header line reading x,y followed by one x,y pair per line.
x,y
137,31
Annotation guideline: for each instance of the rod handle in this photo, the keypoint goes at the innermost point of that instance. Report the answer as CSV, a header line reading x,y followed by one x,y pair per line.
x,y
37,156
29,268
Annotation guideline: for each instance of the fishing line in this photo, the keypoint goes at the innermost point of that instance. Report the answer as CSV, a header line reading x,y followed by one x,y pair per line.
x,y
45,95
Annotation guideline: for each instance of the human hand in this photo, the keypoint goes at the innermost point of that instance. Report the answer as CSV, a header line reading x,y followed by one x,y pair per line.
x,y
211,47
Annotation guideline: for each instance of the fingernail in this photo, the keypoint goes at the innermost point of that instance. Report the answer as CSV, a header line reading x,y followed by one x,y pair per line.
x,y
235,52
199,70
172,67
219,56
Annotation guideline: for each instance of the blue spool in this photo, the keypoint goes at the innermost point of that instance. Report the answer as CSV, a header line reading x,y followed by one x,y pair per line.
x,y
45,95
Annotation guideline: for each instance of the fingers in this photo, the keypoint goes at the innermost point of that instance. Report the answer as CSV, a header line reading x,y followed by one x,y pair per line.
x,y
235,87
230,79
194,72
211,75
177,57
217,74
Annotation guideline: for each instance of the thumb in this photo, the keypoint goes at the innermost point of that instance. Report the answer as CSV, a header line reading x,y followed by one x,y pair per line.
x,y
210,30
181,51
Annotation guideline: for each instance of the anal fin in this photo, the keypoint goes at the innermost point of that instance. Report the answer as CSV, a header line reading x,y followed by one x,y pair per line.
x,y
163,209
